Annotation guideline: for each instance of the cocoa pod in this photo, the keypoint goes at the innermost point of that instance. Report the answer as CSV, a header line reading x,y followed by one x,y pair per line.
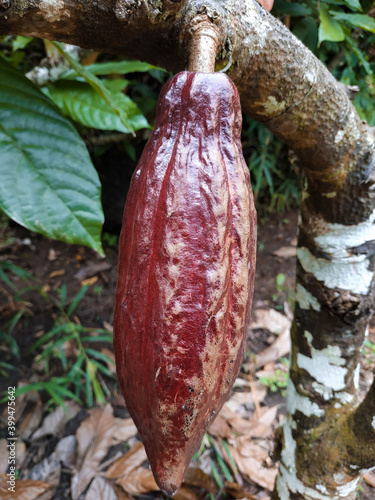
x,y
186,271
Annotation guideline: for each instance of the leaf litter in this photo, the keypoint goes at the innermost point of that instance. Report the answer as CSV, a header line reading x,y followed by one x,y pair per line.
x,y
106,460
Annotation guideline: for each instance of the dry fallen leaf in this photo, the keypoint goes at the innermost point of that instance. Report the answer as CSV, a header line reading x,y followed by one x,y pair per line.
x,y
110,354
89,281
242,402
285,252
100,489
140,480
262,426
31,420
236,491
220,428
66,450
185,493
128,462
25,489
369,477
55,422
250,458
49,469
58,272
271,320
94,437
196,477
124,429
91,270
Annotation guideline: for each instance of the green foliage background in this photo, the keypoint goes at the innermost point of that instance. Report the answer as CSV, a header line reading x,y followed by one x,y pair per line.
x,y
53,188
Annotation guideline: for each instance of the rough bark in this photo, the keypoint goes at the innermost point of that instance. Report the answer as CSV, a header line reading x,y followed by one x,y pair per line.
x,y
328,438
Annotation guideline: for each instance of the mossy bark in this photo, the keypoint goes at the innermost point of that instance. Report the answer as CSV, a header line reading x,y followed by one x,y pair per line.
x,y
328,436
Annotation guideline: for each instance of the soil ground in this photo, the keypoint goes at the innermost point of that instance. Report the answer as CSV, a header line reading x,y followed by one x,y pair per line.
x,y
55,265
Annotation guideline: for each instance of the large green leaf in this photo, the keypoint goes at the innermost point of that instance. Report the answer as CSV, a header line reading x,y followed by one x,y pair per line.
x,y
329,29
48,183
112,67
97,85
358,20
85,106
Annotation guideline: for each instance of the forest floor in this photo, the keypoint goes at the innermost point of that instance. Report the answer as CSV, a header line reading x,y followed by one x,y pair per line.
x,y
92,451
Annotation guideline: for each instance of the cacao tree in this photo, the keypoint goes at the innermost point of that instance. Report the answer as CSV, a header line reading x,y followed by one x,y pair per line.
x,y
328,439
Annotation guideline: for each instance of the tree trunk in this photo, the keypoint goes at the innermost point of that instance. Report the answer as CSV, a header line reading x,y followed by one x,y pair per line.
x,y
328,437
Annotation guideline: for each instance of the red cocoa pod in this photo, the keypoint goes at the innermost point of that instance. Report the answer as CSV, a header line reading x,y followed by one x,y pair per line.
x,y
186,271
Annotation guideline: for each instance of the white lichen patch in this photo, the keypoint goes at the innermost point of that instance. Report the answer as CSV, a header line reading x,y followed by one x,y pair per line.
x,y
323,390
272,106
339,136
325,366
301,403
373,422
53,10
305,299
344,397
348,273
339,238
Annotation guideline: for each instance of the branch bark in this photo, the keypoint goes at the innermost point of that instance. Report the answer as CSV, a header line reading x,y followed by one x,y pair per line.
x,y
284,86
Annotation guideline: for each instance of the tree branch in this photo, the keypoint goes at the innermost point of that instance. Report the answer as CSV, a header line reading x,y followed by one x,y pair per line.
x,y
280,81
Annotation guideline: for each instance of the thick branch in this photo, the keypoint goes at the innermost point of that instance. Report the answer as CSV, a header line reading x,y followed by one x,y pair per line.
x,y
280,81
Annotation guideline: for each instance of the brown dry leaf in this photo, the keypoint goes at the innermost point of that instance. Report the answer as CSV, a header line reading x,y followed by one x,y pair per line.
x,y
94,437
220,428
185,493
100,489
196,477
261,426
124,429
250,458
242,402
280,348
31,420
138,481
52,254
89,281
235,490
25,489
271,320
125,464
369,477
55,422
91,270
285,252
110,354
58,272
238,424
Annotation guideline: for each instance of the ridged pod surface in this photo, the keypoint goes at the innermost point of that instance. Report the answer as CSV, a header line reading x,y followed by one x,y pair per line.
x,y
186,271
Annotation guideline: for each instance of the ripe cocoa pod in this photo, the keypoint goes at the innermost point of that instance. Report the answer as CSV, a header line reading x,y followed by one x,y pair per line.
x,y
186,271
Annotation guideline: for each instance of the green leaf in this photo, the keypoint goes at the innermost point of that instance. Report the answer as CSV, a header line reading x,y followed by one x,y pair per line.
x,y
98,86
352,4
329,29
20,42
292,9
48,183
84,105
358,20
113,68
